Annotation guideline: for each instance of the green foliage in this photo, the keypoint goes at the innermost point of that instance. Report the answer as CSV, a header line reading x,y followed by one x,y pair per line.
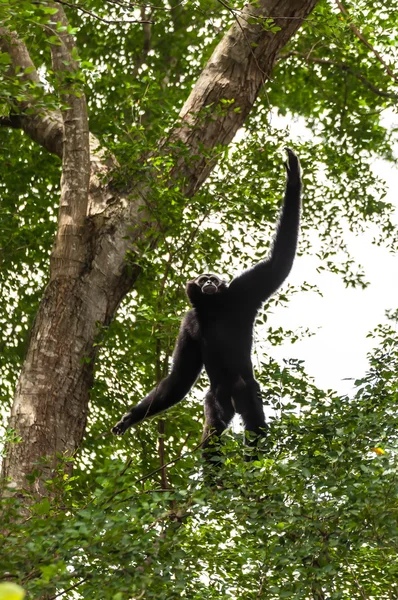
x,y
315,515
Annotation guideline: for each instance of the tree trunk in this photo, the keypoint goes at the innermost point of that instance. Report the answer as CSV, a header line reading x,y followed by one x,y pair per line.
x,y
88,269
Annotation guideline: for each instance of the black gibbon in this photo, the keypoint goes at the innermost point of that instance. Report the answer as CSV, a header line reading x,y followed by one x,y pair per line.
x,y
217,333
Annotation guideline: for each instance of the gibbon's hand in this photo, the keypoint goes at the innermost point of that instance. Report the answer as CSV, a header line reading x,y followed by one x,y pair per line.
x,y
125,422
292,166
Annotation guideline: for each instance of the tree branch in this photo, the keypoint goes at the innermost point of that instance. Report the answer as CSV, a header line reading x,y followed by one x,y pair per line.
x,y
95,16
69,589
216,108
46,127
147,31
365,42
43,127
342,67
133,5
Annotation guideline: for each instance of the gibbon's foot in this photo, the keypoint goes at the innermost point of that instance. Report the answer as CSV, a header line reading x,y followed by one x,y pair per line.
x,y
122,425
292,165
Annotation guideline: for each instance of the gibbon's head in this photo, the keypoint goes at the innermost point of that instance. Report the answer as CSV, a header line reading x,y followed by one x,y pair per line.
x,y
205,285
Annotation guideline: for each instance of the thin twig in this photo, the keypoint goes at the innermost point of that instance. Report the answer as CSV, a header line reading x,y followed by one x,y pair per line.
x,y
262,581
360,588
152,6
365,42
72,587
184,443
95,16
180,457
162,423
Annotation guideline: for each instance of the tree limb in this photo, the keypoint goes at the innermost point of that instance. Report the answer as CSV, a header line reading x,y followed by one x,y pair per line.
x,y
43,127
46,127
69,255
216,108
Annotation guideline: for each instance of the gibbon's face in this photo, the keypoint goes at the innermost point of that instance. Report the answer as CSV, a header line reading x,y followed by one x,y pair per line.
x,y
210,284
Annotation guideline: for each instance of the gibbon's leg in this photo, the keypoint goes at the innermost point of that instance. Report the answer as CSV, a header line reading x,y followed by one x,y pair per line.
x,y
218,415
247,400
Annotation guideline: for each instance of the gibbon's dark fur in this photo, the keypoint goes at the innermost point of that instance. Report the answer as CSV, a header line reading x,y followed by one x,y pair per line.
x,y
217,332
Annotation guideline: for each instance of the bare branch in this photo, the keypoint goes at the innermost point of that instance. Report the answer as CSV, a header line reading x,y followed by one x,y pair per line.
x,y
69,589
365,42
161,452
342,67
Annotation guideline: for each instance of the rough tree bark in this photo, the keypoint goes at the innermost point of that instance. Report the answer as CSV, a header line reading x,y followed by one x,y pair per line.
x,y
97,225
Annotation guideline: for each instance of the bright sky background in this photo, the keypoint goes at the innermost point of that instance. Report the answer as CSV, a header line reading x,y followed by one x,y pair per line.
x,y
342,317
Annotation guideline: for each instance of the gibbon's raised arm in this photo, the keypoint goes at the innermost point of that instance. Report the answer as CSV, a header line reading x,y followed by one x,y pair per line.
x,y
187,364
260,282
